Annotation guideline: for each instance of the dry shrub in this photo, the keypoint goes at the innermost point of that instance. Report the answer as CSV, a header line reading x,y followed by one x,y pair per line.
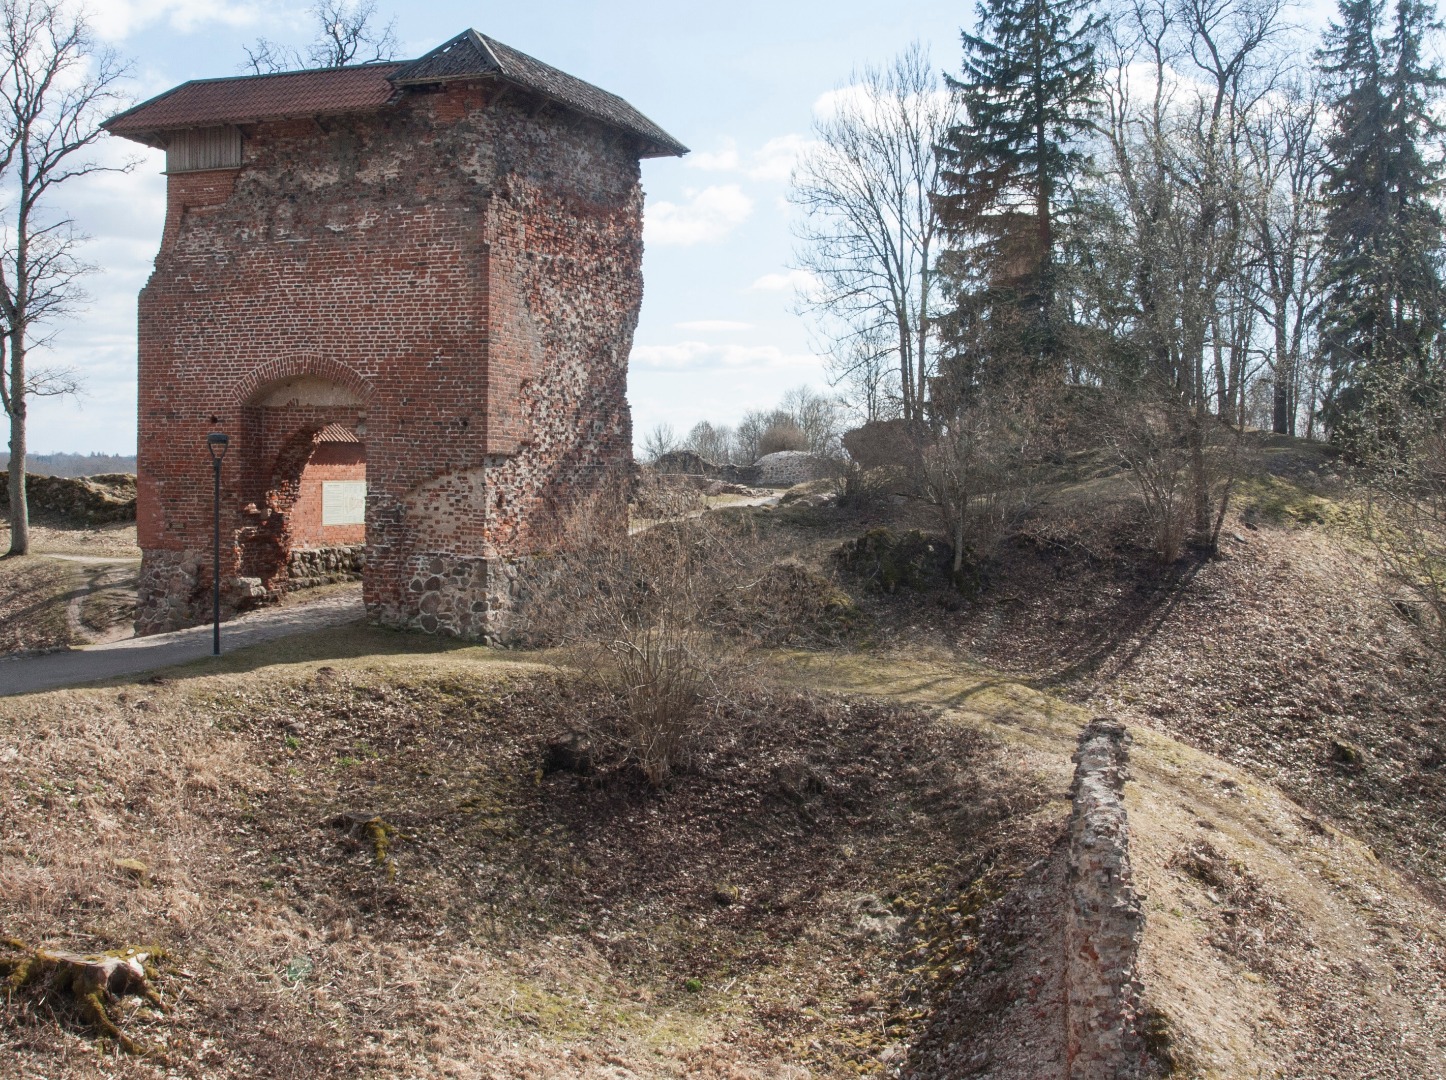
x,y
642,615
1152,449
981,470
661,497
1183,463
782,434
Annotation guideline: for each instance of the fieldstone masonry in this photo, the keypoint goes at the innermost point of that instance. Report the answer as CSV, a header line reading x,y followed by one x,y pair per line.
x,y
1105,919
309,567
437,263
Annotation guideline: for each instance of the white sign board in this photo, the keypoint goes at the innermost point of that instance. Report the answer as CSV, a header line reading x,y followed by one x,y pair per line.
x,y
343,502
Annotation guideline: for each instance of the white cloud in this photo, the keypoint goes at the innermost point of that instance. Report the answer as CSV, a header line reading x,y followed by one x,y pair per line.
x,y
844,99
710,326
724,160
774,160
859,101
122,213
709,215
115,20
792,281
691,355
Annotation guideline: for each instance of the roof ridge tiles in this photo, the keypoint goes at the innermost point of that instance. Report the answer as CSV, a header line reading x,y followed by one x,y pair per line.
x,y
233,99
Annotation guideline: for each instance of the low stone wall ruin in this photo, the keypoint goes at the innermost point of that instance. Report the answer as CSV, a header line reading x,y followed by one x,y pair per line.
x,y
458,596
1105,919
78,500
306,568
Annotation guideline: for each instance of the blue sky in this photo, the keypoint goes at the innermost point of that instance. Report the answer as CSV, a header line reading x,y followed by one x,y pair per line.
x,y
737,82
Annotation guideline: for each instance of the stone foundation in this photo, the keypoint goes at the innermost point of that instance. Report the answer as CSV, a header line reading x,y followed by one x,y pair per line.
x,y
1105,919
457,596
174,591
308,568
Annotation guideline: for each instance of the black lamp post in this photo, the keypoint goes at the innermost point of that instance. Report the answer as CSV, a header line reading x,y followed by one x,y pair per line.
x,y
216,443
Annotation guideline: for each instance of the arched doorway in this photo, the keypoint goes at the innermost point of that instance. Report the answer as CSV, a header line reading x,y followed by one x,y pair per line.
x,y
305,511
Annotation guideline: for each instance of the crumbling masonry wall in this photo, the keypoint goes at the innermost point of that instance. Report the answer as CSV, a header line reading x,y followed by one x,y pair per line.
x,y
1105,919
456,279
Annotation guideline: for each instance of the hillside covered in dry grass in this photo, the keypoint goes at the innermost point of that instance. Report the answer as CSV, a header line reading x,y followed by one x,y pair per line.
x,y
359,852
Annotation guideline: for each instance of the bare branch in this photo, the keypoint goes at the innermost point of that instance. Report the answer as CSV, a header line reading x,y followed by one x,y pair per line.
x,y
345,34
56,86
53,382
869,229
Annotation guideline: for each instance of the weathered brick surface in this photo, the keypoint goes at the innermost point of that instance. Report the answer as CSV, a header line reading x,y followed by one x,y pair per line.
x,y
328,461
1105,919
456,279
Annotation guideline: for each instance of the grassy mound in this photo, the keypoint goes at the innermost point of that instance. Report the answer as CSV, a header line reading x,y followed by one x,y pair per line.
x,y
510,920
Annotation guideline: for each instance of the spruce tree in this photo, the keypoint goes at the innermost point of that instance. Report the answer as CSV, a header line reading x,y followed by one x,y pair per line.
x,y
1381,315
1027,93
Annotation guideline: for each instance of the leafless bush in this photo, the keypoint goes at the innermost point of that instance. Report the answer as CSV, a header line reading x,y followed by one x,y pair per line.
x,y
781,434
1183,463
641,615
980,472
1406,521
1154,451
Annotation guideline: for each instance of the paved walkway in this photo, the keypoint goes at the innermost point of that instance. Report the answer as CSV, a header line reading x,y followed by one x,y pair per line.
x,y
28,674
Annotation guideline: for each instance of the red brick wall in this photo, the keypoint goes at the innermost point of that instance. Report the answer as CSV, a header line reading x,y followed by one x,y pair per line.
x,y
468,270
329,461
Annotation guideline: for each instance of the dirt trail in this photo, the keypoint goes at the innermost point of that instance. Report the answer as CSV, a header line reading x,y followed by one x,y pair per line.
x,y
131,656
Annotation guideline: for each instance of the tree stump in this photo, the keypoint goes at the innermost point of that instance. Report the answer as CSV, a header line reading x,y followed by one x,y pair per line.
x,y
88,982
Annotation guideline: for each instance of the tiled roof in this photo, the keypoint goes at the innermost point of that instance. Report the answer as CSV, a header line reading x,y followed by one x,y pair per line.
x,y
469,55
248,98
473,55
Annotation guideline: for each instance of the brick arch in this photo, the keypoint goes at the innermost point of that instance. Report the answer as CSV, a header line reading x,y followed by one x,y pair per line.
x,y
259,378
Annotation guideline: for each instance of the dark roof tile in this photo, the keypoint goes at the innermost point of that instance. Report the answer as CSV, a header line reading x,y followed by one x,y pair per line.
x,y
248,98
470,55
474,55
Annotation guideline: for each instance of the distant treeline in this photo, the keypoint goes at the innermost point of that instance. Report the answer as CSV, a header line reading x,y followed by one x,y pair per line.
x,y
74,464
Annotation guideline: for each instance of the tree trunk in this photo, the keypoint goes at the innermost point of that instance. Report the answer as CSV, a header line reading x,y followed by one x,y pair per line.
x,y
19,504
1280,413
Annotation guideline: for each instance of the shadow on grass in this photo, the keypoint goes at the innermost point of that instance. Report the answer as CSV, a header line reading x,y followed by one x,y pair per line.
x,y
351,642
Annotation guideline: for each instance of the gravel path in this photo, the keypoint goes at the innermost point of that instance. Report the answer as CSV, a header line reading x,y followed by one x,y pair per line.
x,y
29,674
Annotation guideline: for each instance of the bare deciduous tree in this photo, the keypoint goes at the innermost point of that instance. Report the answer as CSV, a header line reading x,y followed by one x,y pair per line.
x,y
863,367
344,35
1188,78
869,230
817,417
1285,152
711,443
55,88
979,472
661,440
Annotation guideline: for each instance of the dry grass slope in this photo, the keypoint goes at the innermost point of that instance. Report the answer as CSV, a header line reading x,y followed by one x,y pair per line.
x,y
358,862
517,923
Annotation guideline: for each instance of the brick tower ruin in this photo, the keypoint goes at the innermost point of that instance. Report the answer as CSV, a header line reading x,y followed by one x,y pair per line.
x,y
407,291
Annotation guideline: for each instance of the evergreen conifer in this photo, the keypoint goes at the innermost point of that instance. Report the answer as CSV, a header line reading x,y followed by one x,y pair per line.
x,y
1027,90
1381,315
